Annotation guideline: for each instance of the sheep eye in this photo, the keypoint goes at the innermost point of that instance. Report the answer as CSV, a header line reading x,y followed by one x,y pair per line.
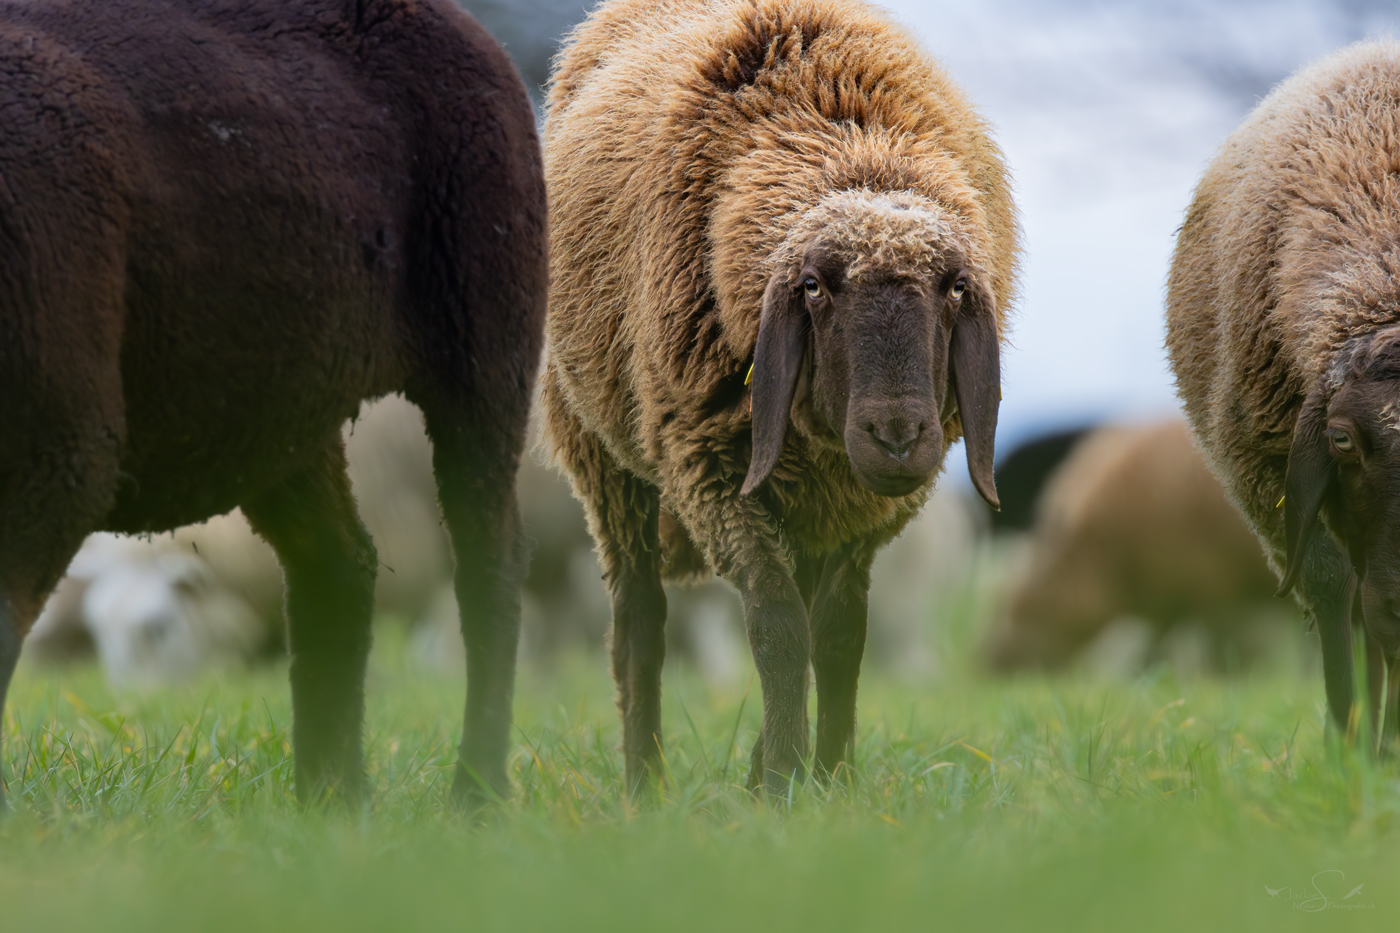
x,y
812,287
959,287
1343,442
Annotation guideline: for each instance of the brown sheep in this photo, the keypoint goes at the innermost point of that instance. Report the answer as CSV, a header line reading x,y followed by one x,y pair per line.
x,y
1133,524
224,224
1282,330
790,189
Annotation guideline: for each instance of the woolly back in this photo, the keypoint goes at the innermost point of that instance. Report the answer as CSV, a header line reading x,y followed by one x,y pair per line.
x,y
1298,216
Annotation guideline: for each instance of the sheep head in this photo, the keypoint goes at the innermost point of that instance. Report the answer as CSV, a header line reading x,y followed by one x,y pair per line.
x,y
878,328
1344,476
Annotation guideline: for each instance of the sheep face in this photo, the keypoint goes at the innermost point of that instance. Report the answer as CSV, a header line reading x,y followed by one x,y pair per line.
x,y
872,352
1344,477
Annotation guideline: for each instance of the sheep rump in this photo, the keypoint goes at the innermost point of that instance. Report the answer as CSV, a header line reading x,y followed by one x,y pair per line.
x,y
223,224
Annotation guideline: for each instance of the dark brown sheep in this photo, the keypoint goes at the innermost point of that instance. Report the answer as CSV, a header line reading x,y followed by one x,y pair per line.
x,y
1282,312
790,189
1133,524
224,223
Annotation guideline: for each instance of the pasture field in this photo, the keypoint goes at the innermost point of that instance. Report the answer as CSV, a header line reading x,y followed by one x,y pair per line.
x,y
1160,803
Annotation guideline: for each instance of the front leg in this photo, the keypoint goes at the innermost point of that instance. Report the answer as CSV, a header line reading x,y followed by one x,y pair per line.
x,y
1383,684
839,617
776,622
1392,706
329,564
743,545
1375,688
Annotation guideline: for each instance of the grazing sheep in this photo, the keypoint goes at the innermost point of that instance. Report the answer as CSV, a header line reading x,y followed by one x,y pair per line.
x,y
792,190
1283,308
1133,524
224,224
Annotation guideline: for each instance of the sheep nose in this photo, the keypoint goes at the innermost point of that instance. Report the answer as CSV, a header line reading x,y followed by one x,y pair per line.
x,y
896,436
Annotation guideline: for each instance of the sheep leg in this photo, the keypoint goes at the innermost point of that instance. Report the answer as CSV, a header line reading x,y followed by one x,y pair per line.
x,y
329,564
623,516
66,488
743,545
1375,689
638,633
476,455
838,643
1391,729
778,636
1339,679
9,656
807,574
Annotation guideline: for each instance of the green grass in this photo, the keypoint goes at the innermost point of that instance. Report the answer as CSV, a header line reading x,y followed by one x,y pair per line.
x,y
1040,803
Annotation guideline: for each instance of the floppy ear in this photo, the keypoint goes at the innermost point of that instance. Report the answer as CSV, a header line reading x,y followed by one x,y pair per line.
x,y
975,358
777,357
1311,471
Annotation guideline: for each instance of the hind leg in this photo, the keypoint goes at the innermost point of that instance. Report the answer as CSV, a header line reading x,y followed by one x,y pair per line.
x,y
9,656
476,453
329,563
42,524
59,455
623,515
629,509
627,505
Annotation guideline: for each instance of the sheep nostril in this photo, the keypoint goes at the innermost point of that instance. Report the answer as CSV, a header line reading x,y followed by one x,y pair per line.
x,y
896,437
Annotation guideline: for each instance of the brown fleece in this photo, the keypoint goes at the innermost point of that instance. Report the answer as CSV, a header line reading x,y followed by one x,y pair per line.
x,y
1289,252
692,150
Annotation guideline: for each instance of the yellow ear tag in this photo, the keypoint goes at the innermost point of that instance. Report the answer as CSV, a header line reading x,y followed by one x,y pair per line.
x,y
749,377
1280,501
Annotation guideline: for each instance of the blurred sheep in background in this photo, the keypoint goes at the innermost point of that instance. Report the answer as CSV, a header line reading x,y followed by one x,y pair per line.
x,y
1133,525
1022,473
156,612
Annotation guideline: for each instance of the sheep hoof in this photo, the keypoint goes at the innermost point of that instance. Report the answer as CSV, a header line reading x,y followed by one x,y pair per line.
x,y
474,790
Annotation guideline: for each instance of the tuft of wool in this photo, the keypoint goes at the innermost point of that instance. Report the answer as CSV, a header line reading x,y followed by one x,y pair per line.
x,y
892,235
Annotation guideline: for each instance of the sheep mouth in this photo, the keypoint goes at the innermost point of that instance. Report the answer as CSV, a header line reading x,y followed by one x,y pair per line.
x,y
892,484
893,463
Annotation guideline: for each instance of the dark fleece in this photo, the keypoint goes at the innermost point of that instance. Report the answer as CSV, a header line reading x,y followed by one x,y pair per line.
x,y
223,224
